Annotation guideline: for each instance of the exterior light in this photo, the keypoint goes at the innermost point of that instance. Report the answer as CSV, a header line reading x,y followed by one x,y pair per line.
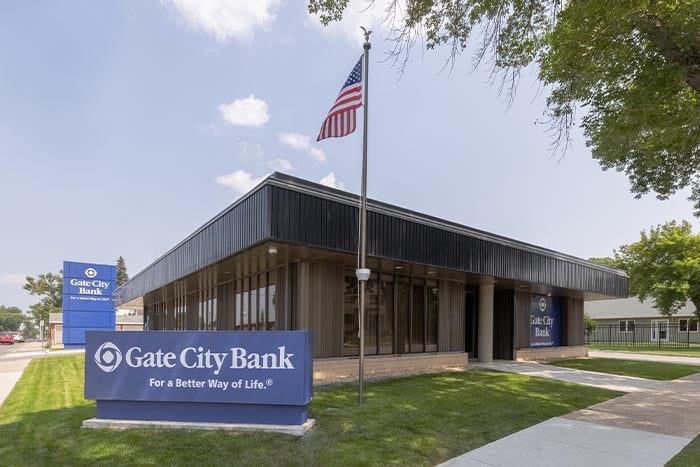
x,y
272,250
362,274
398,267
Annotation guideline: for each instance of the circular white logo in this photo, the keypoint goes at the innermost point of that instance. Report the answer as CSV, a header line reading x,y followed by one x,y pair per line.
x,y
91,273
543,304
108,357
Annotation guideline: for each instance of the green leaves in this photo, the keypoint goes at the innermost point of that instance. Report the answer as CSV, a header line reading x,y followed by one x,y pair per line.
x,y
665,266
632,66
49,287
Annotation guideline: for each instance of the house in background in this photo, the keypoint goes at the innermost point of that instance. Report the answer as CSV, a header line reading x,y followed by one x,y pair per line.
x,y
126,320
627,320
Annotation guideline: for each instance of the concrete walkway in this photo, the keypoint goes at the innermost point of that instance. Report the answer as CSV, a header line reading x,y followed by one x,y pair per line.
x,y
644,357
570,375
646,427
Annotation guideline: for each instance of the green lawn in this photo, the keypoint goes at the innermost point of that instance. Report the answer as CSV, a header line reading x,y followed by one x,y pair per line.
x,y
420,420
692,351
688,457
638,368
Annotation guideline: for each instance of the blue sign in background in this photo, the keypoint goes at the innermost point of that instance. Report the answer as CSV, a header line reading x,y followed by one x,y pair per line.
x,y
545,321
87,300
232,376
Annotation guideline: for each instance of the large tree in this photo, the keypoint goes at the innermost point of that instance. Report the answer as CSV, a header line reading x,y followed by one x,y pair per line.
x,y
664,265
122,276
49,287
11,318
631,66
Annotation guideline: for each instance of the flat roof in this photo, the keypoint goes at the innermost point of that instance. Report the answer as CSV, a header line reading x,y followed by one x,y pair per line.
x,y
294,211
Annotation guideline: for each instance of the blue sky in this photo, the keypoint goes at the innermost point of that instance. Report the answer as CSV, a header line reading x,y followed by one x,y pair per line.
x,y
125,125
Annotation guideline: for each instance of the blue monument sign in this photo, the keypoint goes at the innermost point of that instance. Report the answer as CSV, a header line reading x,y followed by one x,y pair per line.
x,y
87,300
200,376
545,321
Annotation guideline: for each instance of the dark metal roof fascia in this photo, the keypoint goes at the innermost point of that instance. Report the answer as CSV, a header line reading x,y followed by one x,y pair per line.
x,y
333,194
230,207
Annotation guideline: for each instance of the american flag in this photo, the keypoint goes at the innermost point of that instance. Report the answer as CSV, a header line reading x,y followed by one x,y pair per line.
x,y
341,118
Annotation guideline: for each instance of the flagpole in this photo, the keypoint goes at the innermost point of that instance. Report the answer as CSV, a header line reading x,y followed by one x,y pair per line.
x,y
363,272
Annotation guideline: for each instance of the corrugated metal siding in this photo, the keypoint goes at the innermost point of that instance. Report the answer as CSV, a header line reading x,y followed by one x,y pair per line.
x,y
311,220
291,210
321,288
240,226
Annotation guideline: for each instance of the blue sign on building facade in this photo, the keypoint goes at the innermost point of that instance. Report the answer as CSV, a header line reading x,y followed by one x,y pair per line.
x,y
545,321
87,300
201,376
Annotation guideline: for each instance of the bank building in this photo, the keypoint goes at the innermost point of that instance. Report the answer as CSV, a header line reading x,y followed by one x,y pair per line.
x,y
283,257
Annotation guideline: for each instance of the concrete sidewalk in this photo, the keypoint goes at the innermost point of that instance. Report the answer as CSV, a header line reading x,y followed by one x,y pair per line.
x,y
570,375
646,427
644,357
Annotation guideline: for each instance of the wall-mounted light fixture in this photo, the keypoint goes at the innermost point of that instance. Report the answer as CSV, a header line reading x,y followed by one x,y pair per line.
x,y
272,250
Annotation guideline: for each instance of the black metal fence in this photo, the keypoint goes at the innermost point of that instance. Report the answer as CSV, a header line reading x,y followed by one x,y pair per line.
x,y
629,334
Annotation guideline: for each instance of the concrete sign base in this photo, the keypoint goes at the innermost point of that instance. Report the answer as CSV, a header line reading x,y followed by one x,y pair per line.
x,y
294,430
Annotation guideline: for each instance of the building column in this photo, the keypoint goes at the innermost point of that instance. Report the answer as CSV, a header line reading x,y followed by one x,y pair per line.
x,y
486,320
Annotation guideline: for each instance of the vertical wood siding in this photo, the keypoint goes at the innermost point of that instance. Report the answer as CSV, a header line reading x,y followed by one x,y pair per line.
x,y
521,338
320,306
451,322
572,325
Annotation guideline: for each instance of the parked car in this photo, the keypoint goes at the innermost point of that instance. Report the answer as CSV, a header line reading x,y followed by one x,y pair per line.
x,y
17,337
6,338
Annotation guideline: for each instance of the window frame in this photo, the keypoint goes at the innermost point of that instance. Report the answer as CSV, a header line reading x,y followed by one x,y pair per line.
x,y
627,328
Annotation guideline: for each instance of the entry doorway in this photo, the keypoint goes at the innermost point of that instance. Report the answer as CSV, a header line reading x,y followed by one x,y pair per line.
x,y
659,330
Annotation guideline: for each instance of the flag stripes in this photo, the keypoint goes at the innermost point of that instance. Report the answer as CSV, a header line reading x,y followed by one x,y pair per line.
x,y
342,118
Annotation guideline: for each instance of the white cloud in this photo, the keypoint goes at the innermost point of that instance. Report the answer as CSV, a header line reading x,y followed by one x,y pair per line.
x,y
368,13
301,143
281,165
225,19
331,181
239,181
245,112
13,279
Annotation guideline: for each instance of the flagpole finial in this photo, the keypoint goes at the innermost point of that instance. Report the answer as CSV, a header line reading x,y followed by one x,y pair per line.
x,y
367,33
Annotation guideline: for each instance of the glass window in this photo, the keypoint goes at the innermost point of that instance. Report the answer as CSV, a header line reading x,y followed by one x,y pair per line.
x,y
350,318
688,325
371,301
245,303
627,325
237,303
418,318
386,315
253,303
272,300
432,319
403,310
262,302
